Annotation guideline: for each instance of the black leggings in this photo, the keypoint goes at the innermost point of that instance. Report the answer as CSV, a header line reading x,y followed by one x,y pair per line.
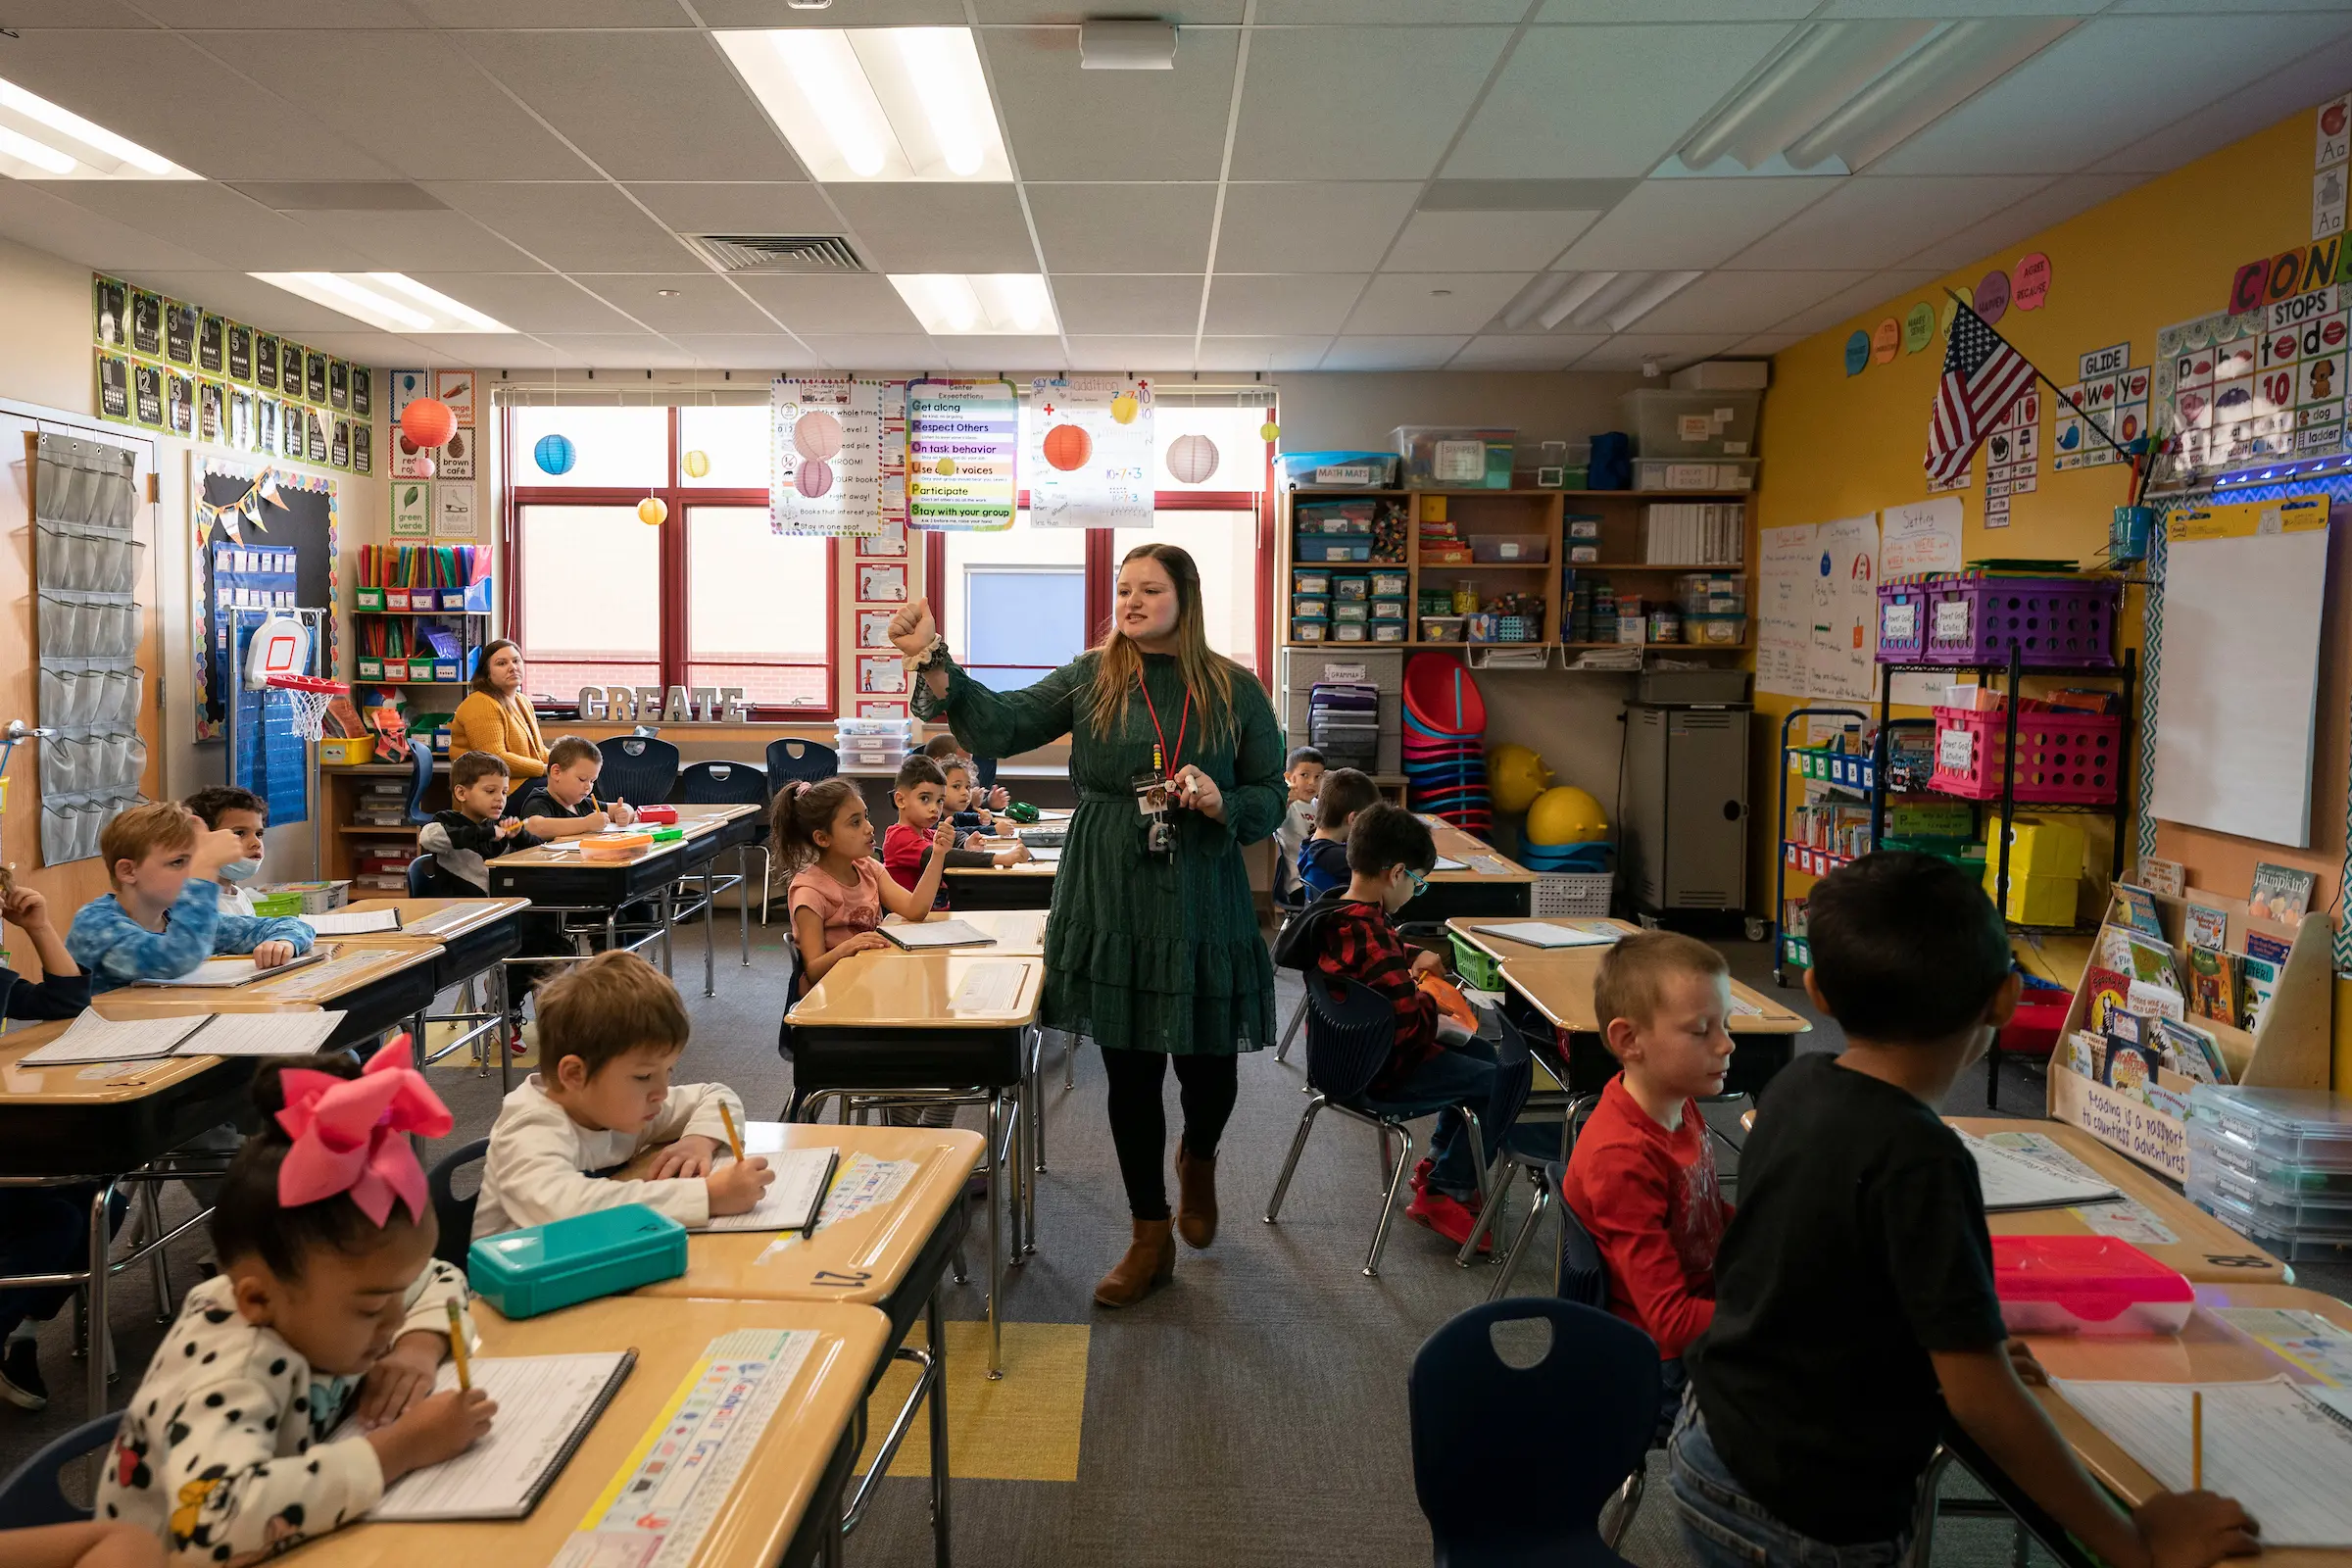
x,y
1206,1087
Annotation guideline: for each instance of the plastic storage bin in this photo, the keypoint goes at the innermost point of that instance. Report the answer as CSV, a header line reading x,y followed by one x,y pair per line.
x,y
2038,899
2062,758
1328,548
1340,470
2087,1285
1310,582
1443,628
1510,549
1310,631
1477,966
2037,847
1974,619
2308,1128
1666,423
602,1252
2214,1153
1455,457
1715,631
1684,473
1351,586
1387,584
1311,609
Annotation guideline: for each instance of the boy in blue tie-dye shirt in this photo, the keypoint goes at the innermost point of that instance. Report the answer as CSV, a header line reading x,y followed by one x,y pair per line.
x,y
164,918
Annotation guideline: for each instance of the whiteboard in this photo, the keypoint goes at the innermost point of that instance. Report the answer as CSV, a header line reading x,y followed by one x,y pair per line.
x,y
2237,694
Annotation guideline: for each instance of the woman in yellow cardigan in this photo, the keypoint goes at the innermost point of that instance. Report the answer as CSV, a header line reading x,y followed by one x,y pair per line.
x,y
496,715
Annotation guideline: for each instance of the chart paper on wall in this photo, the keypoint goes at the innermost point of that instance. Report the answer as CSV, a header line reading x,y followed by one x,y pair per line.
x,y
1785,607
1089,452
963,439
1845,612
825,457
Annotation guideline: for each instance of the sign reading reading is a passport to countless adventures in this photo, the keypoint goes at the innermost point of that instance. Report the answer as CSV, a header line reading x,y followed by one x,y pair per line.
x,y
962,440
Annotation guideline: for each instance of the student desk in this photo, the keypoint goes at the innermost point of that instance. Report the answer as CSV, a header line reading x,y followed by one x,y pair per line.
x,y
1026,886
103,1124
712,830
893,1257
475,936
1469,890
784,1508
1019,933
377,984
560,881
887,1022
2208,1251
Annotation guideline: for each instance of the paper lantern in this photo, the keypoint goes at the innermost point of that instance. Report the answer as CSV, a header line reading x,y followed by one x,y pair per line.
x,y
816,434
1067,447
1123,408
814,479
653,512
423,467
555,454
1191,459
945,467
1269,431
428,422
697,464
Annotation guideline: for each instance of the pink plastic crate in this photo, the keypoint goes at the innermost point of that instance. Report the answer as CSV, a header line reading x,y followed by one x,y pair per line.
x,y
2093,1285
1973,617
2063,758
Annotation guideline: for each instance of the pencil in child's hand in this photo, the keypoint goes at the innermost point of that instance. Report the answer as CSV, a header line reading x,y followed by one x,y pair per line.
x,y
734,1139
2196,1439
457,1346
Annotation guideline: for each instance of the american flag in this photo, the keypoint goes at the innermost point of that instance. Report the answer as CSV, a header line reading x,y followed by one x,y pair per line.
x,y
1981,377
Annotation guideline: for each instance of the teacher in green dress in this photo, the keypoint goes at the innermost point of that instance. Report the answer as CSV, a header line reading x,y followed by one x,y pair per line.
x,y
1152,948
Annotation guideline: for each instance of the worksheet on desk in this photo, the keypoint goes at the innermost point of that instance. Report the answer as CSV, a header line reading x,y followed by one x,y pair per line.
x,y
1539,934
2010,1181
350,924
991,988
264,1034
91,1038
2272,1446
217,972
789,1200
546,1405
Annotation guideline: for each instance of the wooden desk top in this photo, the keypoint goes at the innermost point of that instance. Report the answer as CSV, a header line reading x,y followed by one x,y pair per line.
x,y
565,853
433,919
1457,844
1019,933
106,1083
1471,929
2208,1251
760,1511
2208,1351
1560,985
356,961
1045,868
874,1249
910,990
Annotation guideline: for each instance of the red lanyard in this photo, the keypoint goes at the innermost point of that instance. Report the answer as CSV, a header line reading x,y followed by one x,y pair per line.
x,y
1161,757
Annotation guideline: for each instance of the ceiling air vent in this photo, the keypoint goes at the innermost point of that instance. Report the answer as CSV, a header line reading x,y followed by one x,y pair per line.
x,y
776,252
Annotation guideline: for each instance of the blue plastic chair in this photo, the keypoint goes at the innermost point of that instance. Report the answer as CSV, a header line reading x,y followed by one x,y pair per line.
x,y
1579,1276
806,761
31,1497
455,1214
1512,1466
638,769
421,779
732,784
421,877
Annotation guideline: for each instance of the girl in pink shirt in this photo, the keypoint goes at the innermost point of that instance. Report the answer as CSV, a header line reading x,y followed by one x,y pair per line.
x,y
840,894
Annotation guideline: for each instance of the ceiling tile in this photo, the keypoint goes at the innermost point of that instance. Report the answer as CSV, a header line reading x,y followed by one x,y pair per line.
x,y
1358,103
1288,228
1672,350
558,14
403,242
1455,13
1141,354
642,105
324,17
90,14
1273,352
1069,13
1300,303
1744,302
1878,296
1109,305
911,352
1069,124
394,93
2106,84
1014,356
704,302
738,207
1123,228
31,216
1768,343
1402,302
363,347
500,355
233,229
529,302
1670,225
748,350
2053,204
870,13
246,299
638,351
1940,9
936,227
575,227
1530,352
833,304
1599,101
1420,353
1875,221
2316,78
1569,11
1484,242
2169,6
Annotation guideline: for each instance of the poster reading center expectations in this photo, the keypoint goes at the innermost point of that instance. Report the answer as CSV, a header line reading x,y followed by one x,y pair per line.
x,y
962,441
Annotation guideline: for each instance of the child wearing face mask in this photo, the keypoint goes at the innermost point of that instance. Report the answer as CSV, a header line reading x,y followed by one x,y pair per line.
x,y
226,808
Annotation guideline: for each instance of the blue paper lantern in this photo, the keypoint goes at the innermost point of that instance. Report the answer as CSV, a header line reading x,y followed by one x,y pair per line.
x,y
555,454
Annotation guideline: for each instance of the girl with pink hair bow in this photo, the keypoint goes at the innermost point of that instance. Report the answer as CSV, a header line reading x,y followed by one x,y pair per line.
x,y
330,1309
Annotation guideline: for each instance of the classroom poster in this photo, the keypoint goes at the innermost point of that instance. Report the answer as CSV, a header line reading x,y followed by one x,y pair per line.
x,y
873,628
1089,452
890,544
412,508
1845,612
456,389
825,459
891,487
880,674
1921,537
962,444
454,514
1785,607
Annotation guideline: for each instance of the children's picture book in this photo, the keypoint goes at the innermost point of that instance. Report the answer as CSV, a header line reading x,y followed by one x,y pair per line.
x,y
2259,979
2152,1001
2207,927
2262,945
2131,1068
2168,877
2282,893
2152,961
2212,985
2192,1052
2086,1053
2106,991
2140,910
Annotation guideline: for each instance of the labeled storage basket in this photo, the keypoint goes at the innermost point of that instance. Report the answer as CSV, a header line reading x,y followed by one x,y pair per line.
x,y
1582,895
1973,617
2063,758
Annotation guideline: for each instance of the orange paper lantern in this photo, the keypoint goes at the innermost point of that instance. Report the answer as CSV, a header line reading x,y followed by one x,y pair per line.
x,y
1067,447
428,422
653,512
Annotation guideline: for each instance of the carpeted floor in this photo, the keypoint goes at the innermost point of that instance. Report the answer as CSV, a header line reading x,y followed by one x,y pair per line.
x,y
1253,1412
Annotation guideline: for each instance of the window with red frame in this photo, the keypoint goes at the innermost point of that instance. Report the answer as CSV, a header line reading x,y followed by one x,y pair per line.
x,y
735,604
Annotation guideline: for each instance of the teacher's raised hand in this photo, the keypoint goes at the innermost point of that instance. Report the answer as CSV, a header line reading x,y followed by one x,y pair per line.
x,y
912,628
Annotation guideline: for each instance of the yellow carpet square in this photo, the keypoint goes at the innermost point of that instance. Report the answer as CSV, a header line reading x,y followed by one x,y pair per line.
x,y
1023,1427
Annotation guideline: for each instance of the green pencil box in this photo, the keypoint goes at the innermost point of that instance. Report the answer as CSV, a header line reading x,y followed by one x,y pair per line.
x,y
602,1252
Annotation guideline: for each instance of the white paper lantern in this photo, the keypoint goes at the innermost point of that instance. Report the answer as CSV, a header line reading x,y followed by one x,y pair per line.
x,y
1191,459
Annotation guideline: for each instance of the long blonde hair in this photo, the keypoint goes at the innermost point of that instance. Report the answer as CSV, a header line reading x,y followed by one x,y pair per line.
x,y
1207,674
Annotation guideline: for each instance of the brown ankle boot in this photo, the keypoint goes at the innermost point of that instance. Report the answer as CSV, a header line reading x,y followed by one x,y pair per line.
x,y
1196,1198
1150,1263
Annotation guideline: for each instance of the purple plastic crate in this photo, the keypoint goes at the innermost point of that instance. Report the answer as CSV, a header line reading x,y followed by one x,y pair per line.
x,y
1974,618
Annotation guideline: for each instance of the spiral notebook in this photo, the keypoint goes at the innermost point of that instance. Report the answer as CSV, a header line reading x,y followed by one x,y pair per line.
x,y
546,1405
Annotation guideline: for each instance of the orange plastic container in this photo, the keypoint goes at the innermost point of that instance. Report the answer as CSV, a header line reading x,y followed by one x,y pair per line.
x,y
614,846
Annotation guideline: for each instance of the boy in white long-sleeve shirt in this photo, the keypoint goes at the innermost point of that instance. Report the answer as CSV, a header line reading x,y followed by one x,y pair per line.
x,y
613,1029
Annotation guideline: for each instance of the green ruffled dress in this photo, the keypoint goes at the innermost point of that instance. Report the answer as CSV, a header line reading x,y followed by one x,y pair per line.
x,y
1145,952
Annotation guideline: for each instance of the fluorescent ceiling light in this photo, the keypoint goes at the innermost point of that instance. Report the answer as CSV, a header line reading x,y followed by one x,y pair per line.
x,y
1110,44
876,103
1661,287
978,304
1609,291
39,139
392,301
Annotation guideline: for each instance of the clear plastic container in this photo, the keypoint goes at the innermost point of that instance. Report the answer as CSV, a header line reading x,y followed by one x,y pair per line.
x,y
1388,631
2214,1151
1310,631
1311,609
1351,610
1687,474
893,729
1667,423
1387,584
2091,1284
1350,587
1455,456
2300,1127
2294,1246
1389,609
2283,1209
1310,582
1350,631
1506,549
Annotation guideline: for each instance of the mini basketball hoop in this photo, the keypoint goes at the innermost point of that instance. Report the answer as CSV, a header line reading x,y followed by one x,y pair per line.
x,y
312,699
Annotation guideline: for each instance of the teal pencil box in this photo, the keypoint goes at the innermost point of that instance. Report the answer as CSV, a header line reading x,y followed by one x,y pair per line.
x,y
602,1252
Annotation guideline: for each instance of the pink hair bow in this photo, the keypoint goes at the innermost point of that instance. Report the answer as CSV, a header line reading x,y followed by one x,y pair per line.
x,y
351,1134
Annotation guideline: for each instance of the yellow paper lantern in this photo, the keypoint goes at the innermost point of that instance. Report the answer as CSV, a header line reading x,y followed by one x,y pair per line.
x,y
945,467
653,512
1268,430
1123,408
697,464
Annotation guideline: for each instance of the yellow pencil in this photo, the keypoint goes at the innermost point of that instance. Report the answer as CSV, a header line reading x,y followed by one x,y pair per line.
x,y
2196,1439
457,1346
734,1138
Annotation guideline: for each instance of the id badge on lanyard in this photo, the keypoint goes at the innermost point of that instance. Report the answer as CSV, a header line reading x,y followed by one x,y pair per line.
x,y
1150,787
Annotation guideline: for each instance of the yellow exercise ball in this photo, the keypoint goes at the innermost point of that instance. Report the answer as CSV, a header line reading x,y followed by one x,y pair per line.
x,y
1566,814
1515,776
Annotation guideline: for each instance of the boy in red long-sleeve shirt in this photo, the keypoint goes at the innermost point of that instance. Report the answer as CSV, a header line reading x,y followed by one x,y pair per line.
x,y
920,795
1642,1179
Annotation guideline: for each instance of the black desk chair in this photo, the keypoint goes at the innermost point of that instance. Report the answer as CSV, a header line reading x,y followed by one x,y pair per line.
x,y
732,784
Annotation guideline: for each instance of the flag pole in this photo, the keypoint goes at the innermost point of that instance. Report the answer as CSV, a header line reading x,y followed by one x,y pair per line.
x,y
1966,304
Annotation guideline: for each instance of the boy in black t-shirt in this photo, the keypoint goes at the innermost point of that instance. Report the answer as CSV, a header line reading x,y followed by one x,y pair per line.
x,y
1854,1305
